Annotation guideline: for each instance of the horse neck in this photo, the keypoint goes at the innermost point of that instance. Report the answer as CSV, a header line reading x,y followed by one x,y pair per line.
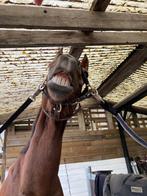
x,y
44,123
47,130
42,159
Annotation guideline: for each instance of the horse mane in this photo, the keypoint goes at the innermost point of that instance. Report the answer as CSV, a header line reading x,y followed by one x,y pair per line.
x,y
25,149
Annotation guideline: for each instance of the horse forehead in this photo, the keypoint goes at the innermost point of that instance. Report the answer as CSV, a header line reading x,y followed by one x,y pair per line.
x,y
67,58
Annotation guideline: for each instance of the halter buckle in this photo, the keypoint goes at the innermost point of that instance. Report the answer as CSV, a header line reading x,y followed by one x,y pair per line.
x,y
95,94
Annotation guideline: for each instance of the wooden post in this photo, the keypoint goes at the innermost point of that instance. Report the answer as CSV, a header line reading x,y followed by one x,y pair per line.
x,y
135,119
109,120
81,120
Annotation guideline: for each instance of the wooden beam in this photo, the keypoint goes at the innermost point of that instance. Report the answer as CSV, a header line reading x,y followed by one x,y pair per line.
x,y
97,5
23,38
139,110
67,19
131,99
124,70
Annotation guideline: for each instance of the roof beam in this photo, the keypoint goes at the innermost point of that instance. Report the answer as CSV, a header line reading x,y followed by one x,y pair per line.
x,y
97,5
139,110
131,99
23,38
124,70
67,19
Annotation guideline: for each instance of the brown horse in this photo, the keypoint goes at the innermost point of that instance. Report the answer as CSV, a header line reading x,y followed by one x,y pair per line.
x,y
35,173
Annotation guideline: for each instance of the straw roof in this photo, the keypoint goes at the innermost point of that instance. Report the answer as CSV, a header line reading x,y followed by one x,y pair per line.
x,y
23,69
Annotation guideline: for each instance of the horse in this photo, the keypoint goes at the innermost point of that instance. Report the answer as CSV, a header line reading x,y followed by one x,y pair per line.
x,y
35,173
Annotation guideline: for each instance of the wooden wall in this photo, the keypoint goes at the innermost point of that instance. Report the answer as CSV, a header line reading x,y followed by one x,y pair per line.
x,y
90,135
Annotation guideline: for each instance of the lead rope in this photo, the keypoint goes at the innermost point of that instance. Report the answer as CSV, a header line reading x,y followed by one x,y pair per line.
x,y
105,105
22,107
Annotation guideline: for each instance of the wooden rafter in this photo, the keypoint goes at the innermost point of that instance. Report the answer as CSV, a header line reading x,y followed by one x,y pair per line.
x,y
20,38
139,110
97,5
131,99
67,19
124,70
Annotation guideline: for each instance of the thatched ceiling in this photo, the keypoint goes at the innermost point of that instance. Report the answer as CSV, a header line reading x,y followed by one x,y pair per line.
x,y
22,70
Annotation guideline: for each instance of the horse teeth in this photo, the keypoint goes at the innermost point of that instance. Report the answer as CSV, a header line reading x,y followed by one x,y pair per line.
x,y
60,80
67,83
54,79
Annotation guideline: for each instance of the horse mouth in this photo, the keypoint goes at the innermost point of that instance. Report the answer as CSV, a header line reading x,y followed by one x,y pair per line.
x,y
61,79
60,87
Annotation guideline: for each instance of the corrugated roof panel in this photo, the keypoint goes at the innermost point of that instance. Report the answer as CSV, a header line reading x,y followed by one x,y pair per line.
x,y
130,85
132,6
79,4
103,60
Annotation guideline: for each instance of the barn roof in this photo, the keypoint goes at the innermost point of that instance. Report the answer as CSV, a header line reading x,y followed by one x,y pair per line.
x,y
23,69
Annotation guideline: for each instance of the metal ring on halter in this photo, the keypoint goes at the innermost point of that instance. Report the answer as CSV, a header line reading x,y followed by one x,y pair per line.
x,y
58,108
37,92
95,94
41,87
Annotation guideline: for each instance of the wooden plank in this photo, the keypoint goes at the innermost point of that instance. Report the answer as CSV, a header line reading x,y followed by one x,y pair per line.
x,y
82,150
81,121
22,38
68,19
124,70
131,99
110,121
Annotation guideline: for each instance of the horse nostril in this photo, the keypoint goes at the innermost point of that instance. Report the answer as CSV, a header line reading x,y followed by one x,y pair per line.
x,y
45,11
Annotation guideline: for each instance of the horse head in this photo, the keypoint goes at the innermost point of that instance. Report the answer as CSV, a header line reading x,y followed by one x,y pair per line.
x,y
65,79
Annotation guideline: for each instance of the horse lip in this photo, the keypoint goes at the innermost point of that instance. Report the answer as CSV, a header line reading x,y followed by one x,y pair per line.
x,y
60,90
50,83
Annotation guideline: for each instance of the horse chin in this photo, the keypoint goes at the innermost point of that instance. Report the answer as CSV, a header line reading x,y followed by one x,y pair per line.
x,y
59,93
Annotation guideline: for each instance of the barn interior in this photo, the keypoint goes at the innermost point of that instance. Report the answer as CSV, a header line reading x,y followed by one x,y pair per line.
x,y
113,35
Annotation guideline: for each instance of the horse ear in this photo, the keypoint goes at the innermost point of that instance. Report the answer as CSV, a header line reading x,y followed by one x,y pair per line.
x,y
85,63
38,2
59,52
